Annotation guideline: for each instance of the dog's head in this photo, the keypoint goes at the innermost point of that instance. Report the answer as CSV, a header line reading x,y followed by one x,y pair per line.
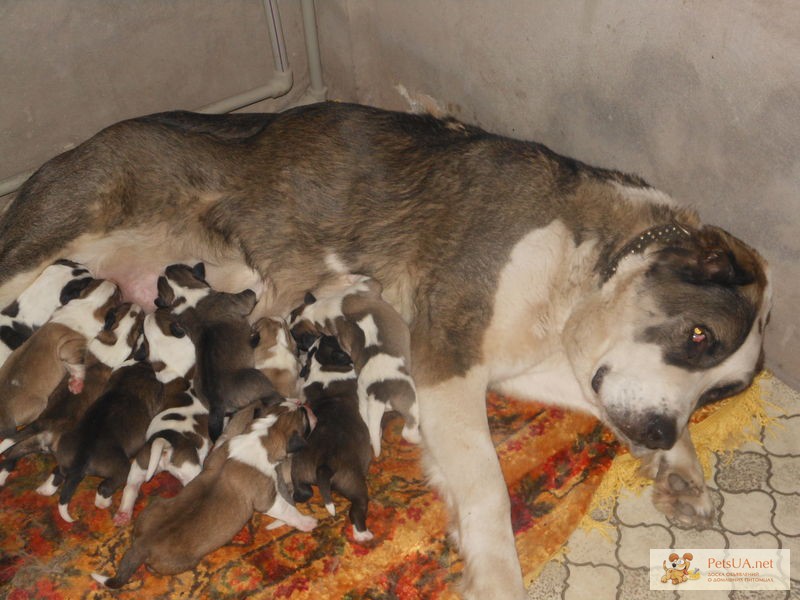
x,y
168,347
283,429
120,334
87,313
675,327
326,364
182,287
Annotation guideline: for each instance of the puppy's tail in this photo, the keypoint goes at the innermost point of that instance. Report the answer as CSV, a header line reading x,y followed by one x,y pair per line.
x,y
157,448
324,474
72,479
133,558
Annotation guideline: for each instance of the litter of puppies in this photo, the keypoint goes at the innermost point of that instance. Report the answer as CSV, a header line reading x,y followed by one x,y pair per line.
x,y
193,389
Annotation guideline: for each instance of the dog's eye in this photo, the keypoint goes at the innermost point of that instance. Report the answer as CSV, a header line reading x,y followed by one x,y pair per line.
x,y
699,334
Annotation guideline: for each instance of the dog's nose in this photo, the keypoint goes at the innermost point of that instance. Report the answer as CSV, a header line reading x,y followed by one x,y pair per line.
x,y
660,432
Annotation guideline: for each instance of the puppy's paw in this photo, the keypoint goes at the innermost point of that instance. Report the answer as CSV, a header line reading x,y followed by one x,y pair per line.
x,y
48,488
362,536
305,523
411,434
682,500
75,385
122,518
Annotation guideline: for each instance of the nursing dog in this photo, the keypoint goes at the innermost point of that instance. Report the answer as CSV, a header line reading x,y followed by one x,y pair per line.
x,y
59,283
338,453
516,269
173,535
376,338
275,354
226,378
112,346
55,350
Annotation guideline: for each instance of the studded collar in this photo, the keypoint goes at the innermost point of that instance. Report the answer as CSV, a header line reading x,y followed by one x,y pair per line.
x,y
669,232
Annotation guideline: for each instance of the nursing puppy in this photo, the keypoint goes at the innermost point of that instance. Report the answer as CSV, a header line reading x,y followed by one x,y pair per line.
x,y
34,370
173,535
226,378
59,283
377,339
113,430
177,442
516,269
338,453
112,346
275,355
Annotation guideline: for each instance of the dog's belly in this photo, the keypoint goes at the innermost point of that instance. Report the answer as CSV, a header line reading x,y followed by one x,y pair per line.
x,y
135,258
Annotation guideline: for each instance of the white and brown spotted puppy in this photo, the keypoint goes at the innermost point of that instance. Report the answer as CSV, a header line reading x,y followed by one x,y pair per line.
x,y
34,370
112,346
377,339
225,378
59,283
177,442
114,428
173,535
338,453
276,355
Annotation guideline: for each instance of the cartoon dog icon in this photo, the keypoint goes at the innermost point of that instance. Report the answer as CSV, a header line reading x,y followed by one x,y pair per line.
x,y
677,570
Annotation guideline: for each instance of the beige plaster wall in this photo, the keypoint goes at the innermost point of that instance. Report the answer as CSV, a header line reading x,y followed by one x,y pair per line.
x,y
701,97
70,67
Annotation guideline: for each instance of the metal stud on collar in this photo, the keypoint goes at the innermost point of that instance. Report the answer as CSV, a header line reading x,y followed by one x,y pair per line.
x,y
664,233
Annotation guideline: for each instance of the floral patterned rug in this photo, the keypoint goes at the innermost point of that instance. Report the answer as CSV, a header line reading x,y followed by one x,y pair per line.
x,y
552,460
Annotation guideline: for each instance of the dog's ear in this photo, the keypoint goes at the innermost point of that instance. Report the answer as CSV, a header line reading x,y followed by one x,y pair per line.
x,y
142,350
713,258
309,298
246,301
296,442
111,316
199,271
166,295
73,289
688,556
176,330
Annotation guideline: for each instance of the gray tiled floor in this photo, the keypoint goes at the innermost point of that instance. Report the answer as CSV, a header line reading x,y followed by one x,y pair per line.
x,y
757,495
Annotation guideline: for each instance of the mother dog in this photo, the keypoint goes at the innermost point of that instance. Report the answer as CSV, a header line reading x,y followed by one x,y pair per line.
x,y
516,269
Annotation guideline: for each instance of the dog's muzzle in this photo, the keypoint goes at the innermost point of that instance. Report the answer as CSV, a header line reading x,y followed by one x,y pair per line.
x,y
653,431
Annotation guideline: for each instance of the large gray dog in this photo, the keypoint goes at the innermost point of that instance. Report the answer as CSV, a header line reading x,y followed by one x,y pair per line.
x,y
516,269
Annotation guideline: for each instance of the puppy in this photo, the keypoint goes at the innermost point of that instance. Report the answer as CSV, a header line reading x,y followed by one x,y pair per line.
x,y
177,442
112,346
59,283
113,430
226,378
33,370
338,453
276,355
173,535
379,342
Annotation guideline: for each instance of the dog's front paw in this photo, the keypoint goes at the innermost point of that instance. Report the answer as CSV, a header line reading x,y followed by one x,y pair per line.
x,y
684,501
305,523
75,385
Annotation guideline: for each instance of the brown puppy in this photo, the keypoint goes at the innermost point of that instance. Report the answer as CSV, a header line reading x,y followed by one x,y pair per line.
x,y
226,378
172,535
113,430
276,355
379,342
112,346
33,370
338,453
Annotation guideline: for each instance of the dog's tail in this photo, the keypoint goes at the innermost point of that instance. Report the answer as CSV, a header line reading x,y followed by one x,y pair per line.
x,y
133,558
72,479
324,474
158,446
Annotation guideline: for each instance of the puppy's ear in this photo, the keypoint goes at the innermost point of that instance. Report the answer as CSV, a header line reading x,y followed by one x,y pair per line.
x,y
309,298
73,289
246,300
166,295
295,443
340,357
142,350
176,330
199,271
111,316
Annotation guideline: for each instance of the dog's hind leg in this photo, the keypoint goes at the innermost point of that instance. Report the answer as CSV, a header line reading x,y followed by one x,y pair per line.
x,y
354,487
461,462
50,485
